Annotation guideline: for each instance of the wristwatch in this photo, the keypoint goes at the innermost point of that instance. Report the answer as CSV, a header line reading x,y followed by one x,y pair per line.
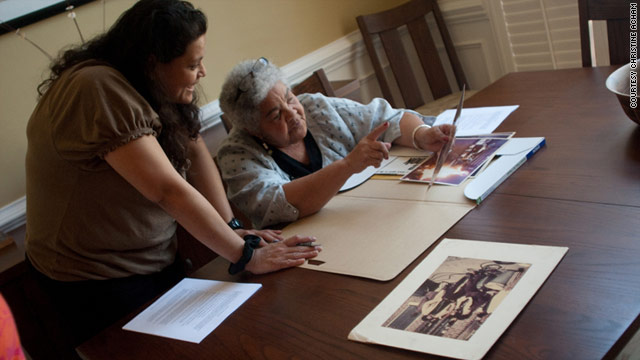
x,y
251,242
235,224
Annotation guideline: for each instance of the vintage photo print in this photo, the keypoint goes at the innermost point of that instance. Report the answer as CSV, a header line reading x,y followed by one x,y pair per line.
x,y
458,297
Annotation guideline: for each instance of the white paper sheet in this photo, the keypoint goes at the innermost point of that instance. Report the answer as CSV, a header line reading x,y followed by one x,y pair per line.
x,y
476,121
192,309
364,175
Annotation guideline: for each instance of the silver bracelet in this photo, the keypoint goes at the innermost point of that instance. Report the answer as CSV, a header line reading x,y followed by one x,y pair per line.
x,y
413,135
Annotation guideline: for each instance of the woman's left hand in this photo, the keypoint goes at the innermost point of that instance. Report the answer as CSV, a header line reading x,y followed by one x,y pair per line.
x,y
434,138
267,235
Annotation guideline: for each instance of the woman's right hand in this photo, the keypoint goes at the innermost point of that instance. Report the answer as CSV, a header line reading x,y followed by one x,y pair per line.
x,y
282,254
268,235
369,151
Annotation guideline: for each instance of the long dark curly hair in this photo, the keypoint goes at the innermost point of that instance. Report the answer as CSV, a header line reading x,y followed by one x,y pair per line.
x,y
151,29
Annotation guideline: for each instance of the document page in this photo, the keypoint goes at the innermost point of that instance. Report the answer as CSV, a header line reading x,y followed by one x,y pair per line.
x,y
476,121
364,175
192,309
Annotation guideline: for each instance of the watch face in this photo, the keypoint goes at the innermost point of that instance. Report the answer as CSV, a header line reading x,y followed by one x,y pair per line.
x,y
235,224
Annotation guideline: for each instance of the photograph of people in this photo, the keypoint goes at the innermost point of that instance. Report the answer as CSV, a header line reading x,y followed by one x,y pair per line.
x,y
286,156
458,298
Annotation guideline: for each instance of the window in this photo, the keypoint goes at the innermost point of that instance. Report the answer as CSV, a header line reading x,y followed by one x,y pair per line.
x,y
537,34
19,13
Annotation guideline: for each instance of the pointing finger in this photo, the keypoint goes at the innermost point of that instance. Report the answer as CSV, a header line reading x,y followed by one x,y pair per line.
x,y
378,131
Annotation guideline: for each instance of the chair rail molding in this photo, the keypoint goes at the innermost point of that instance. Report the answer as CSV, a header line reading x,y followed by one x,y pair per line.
x,y
338,54
13,215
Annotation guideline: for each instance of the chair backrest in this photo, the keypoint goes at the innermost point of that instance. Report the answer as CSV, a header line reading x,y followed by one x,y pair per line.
x,y
316,82
385,25
617,15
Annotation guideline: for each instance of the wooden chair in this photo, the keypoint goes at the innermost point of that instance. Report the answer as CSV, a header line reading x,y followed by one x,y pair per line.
x,y
317,82
616,14
226,123
386,25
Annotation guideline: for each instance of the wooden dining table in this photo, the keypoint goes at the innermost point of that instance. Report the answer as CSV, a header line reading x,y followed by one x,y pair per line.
x,y
582,191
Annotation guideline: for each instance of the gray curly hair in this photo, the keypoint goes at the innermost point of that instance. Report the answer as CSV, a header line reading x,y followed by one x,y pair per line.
x,y
241,107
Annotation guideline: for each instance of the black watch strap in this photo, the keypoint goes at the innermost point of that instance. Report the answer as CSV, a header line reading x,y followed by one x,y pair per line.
x,y
235,224
251,242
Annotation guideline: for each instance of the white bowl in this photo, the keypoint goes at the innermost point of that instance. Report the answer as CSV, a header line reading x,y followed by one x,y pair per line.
x,y
619,84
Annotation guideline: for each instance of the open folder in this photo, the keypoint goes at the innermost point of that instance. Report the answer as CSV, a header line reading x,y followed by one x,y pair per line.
x,y
510,157
378,228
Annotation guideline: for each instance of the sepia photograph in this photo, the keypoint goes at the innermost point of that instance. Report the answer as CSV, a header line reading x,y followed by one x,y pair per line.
x,y
461,298
458,297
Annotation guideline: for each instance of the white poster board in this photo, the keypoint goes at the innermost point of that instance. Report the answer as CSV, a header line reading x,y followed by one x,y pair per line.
x,y
460,298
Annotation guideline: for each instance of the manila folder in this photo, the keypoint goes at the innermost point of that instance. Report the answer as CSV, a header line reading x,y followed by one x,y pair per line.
x,y
373,237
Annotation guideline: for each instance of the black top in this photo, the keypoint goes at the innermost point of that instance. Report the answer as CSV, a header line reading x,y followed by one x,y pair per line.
x,y
293,167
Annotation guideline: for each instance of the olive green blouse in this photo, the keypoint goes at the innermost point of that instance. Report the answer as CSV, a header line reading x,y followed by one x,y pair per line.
x,y
84,221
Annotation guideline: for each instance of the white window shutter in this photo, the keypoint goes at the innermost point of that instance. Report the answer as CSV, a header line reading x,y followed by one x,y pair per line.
x,y
537,34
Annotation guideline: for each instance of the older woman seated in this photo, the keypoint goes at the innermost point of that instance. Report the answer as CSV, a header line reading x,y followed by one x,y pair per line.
x,y
287,156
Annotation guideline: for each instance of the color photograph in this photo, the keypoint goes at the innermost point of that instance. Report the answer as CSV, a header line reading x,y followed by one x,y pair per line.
x,y
466,156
